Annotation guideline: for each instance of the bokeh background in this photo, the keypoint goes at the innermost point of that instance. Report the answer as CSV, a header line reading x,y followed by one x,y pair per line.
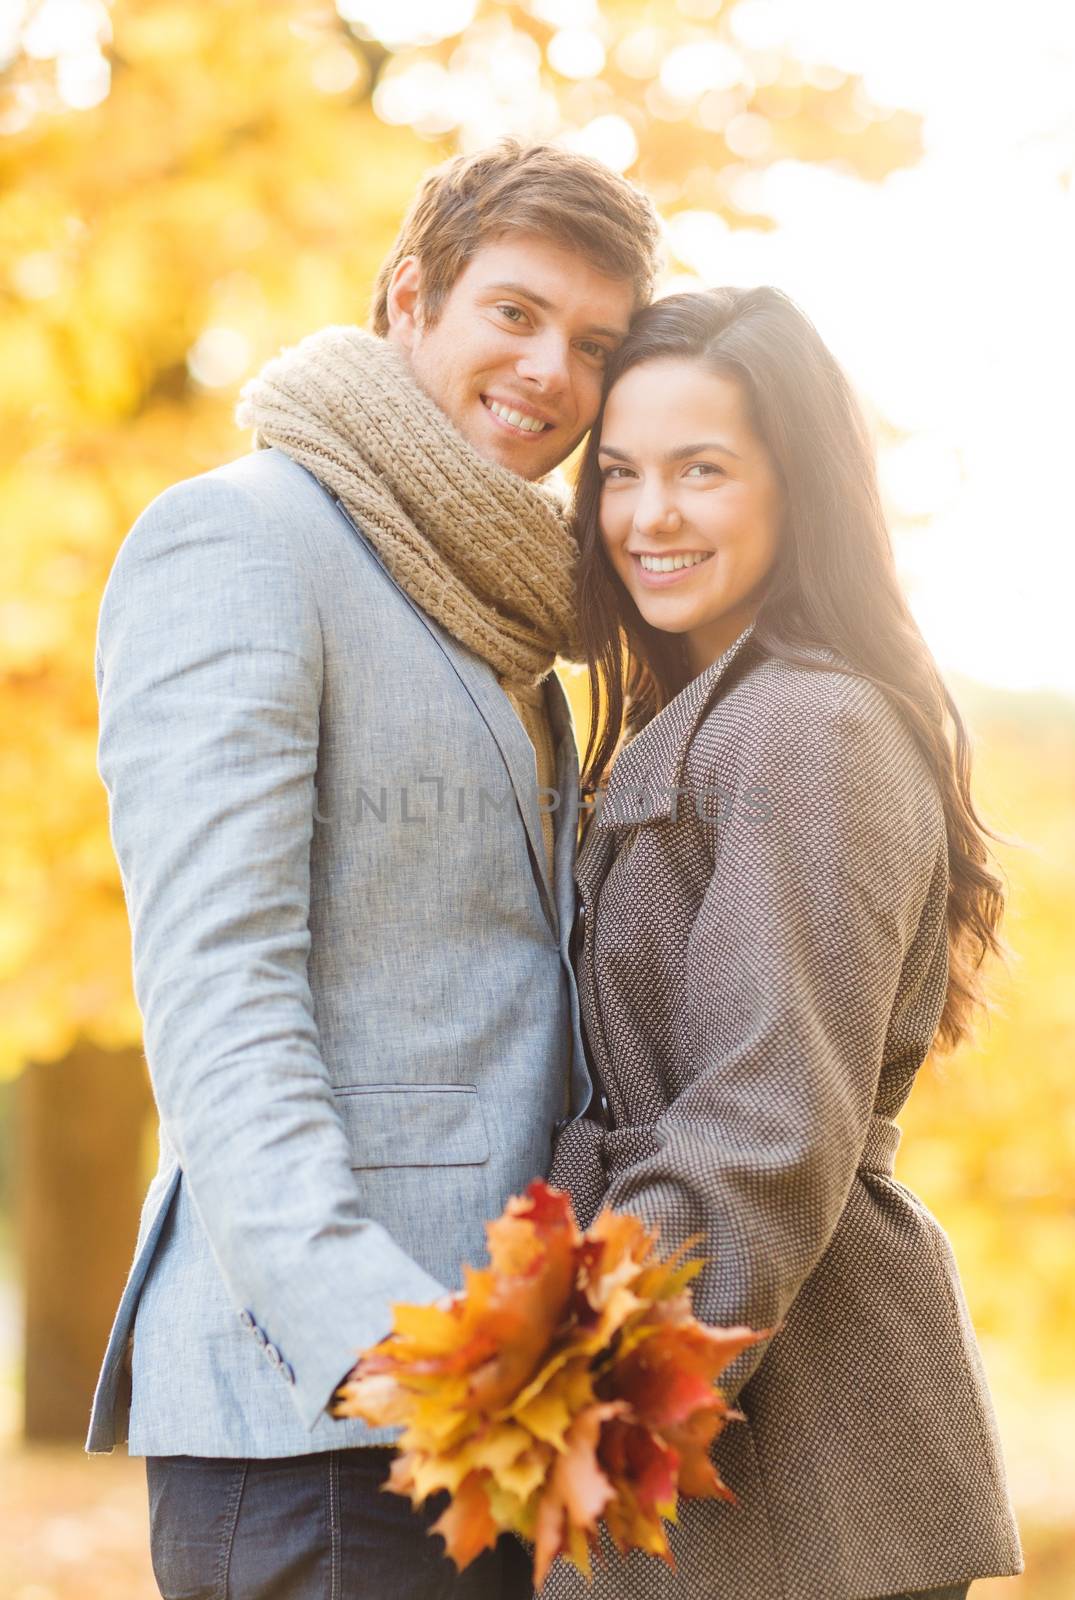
x,y
186,185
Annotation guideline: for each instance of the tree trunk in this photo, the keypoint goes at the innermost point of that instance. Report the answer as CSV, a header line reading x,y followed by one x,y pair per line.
x,y
81,1126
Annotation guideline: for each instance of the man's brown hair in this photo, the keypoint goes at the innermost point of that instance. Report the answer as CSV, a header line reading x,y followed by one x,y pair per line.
x,y
513,188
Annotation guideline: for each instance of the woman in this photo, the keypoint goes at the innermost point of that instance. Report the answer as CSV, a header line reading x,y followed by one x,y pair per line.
x,y
785,900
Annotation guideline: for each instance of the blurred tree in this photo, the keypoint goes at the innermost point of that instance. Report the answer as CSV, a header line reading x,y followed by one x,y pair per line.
x,y
184,187
78,1211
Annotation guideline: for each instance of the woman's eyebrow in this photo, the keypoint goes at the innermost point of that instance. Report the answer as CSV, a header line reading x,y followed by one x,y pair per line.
x,y
684,450
680,453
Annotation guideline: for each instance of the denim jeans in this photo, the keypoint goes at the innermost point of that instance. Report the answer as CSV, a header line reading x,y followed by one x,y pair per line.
x,y
313,1527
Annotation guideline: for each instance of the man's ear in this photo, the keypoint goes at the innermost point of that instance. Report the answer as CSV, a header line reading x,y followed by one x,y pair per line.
x,y
404,288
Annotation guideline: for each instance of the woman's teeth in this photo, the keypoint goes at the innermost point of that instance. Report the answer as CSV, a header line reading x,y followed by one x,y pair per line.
x,y
516,418
673,563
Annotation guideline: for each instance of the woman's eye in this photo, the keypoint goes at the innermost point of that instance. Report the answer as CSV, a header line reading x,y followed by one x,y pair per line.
x,y
611,473
596,352
513,313
703,469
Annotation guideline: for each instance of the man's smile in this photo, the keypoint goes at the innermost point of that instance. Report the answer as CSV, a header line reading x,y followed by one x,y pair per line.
x,y
516,419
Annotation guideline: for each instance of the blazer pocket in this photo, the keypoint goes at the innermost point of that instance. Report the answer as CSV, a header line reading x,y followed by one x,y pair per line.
x,y
413,1125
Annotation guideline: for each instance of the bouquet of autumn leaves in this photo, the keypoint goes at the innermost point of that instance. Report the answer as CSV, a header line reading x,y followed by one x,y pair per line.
x,y
567,1384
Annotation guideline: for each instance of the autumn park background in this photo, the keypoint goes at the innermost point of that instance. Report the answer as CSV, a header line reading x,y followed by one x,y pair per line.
x,y
185,186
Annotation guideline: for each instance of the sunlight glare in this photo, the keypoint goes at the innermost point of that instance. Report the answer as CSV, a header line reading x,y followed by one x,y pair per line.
x,y
610,140
576,53
408,22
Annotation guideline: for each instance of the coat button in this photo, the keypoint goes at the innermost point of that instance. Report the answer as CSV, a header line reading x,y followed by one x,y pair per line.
x,y
261,1337
246,1319
272,1355
287,1372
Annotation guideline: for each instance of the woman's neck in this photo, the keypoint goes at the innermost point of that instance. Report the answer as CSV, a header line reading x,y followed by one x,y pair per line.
x,y
708,643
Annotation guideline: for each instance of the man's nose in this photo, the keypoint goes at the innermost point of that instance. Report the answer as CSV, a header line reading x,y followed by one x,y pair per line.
x,y
546,362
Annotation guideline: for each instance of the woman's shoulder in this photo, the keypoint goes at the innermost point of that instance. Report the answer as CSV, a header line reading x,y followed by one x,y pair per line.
x,y
808,716
774,692
825,751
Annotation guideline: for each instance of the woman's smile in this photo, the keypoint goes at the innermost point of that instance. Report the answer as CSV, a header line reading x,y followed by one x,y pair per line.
x,y
657,570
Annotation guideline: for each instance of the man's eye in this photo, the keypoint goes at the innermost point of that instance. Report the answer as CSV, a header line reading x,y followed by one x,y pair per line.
x,y
597,352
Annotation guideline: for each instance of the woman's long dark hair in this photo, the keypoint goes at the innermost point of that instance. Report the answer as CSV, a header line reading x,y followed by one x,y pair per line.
x,y
833,583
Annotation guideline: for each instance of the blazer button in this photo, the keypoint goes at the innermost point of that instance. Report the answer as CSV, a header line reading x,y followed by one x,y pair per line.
x,y
246,1319
287,1372
261,1337
273,1355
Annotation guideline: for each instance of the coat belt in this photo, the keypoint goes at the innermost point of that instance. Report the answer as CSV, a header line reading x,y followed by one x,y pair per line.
x,y
882,1142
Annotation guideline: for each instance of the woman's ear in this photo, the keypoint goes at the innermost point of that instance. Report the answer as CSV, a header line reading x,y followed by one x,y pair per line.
x,y
404,290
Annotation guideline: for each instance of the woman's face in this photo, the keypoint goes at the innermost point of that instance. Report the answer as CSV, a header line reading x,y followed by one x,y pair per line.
x,y
690,503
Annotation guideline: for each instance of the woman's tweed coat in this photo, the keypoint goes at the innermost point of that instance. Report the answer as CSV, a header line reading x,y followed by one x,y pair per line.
x,y
763,962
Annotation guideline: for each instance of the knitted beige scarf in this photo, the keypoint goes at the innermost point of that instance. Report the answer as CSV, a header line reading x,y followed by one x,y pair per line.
x,y
486,554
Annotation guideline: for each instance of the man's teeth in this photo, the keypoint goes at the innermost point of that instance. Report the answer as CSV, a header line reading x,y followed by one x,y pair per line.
x,y
516,418
673,563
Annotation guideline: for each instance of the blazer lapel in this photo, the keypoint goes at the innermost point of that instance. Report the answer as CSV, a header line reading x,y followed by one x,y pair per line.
x,y
509,735
514,745
566,815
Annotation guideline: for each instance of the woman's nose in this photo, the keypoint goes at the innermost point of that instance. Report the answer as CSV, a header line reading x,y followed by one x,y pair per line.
x,y
655,516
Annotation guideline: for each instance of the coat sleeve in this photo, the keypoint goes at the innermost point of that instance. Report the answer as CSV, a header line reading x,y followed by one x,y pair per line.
x,y
209,673
793,967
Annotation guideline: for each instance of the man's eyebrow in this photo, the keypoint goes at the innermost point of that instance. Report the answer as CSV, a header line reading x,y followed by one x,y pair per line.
x,y
547,305
679,454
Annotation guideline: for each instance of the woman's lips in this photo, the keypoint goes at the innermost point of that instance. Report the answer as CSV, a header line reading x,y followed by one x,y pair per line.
x,y
663,580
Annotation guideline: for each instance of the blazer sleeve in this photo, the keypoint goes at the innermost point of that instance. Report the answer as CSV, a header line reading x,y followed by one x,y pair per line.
x,y
793,967
209,674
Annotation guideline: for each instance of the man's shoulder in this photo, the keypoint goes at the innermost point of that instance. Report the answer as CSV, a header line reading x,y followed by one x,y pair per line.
x,y
263,501
267,483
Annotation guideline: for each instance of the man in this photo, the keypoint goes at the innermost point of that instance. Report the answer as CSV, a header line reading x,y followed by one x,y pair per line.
x,y
326,711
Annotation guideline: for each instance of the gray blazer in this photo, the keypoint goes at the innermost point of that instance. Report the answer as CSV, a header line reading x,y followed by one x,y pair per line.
x,y
351,964
763,966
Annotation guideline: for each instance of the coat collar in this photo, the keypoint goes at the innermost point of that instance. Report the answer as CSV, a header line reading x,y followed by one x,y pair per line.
x,y
648,772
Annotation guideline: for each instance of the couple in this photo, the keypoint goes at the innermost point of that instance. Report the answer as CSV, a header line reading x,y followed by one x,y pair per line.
x,y
344,798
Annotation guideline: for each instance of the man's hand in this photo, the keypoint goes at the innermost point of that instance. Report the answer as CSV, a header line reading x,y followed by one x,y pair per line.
x,y
445,1303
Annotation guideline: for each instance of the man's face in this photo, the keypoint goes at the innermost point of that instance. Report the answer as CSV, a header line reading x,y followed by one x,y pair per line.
x,y
517,355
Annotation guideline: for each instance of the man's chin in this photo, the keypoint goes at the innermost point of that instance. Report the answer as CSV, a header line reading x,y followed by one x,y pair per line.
x,y
521,460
